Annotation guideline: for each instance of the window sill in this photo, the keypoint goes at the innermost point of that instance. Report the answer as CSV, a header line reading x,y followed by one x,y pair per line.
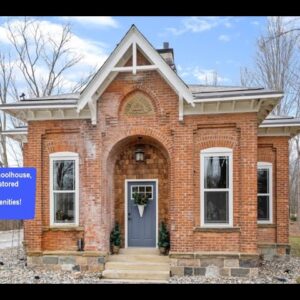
x,y
69,228
215,229
261,225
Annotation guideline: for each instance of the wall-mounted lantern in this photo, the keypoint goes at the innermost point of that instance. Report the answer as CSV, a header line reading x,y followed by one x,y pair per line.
x,y
139,154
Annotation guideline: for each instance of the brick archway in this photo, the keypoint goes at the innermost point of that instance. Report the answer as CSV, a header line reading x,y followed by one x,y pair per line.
x,y
121,165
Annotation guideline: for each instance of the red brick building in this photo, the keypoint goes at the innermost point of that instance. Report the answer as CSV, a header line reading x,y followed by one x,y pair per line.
x,y
213,166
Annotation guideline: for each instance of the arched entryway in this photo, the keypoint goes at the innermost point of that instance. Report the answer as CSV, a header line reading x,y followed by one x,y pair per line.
x,y
150,176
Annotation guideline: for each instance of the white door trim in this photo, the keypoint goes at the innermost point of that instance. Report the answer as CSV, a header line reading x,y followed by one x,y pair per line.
x,y
126,208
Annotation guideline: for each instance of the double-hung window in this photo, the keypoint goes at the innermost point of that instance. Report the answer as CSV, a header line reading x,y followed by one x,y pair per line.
x,y
216,187
64,181
264,192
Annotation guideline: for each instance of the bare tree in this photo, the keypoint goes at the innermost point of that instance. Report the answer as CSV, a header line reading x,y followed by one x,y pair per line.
x,y
277,68
37,50
6,70
276,64
42,61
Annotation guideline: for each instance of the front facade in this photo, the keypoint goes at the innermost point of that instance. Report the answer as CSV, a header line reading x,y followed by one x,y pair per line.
x,y
215,170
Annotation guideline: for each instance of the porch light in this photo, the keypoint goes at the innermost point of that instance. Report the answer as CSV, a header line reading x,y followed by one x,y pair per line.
x,y
139,154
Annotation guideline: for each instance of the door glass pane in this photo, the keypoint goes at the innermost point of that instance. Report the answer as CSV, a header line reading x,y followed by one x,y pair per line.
x,y
262,181
263,208
64,207
216,207
63,175
142,189
216,172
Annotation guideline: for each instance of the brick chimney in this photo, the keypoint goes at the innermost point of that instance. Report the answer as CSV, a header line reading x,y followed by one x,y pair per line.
x,y
168,55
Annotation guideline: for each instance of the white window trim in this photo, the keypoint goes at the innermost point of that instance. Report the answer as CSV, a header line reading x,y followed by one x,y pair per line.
x,y
269,166
217,152
64,156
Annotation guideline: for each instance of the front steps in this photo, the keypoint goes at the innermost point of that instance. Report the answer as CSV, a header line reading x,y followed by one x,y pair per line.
x,y
137,265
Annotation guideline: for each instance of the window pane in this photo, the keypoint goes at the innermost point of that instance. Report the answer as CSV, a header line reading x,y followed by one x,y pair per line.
x,y
216,172
64,207
149,189
263,208
141,189
216,207
134,189
262,181
64,175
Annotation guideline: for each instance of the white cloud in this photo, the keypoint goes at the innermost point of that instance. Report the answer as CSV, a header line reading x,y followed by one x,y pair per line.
x,y
256,23
208,76
202,76
199,24
93,53
224,38
228,25
95,21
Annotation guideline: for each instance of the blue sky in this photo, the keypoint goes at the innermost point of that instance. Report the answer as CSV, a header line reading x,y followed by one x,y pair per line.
x,y
202,45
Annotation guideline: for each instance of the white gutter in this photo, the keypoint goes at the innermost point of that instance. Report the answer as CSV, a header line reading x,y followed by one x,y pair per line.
x,y
231,98
38,106
280,125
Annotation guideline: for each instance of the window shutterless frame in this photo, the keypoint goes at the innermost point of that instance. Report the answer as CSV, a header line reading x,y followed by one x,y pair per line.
x,y
267,166
64,156
215,152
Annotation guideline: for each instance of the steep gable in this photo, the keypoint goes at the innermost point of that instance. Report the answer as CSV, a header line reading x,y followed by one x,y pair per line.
x,y
132,42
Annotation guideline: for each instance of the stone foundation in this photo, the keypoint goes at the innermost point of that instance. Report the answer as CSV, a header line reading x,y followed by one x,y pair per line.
x,y
91,261
274,251
214,264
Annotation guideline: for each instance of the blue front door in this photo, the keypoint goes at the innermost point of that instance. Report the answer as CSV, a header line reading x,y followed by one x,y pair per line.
x,y
141,230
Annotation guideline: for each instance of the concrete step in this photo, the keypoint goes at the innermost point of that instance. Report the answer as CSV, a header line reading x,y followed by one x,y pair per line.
x,y
135,274
144,266
139,258
140,251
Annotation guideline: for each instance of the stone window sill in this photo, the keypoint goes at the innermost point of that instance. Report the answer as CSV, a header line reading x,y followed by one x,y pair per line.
x,y
224,229
266,225
77,228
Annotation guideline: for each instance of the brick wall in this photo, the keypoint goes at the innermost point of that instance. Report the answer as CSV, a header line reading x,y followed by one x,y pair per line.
x,y
275,150
179,143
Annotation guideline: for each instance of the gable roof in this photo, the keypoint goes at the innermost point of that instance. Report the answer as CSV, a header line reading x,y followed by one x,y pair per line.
x,y
109,69
192,99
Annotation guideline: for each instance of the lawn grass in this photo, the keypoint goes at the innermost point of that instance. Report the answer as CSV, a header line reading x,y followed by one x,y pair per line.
x,y
295,245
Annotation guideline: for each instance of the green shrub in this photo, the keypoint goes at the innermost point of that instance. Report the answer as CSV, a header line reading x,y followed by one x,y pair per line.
x,y
163,236
140,199
115,236
293,218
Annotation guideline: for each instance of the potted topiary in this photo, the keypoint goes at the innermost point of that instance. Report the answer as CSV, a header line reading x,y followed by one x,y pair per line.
x,y
141,200
163,239
115,239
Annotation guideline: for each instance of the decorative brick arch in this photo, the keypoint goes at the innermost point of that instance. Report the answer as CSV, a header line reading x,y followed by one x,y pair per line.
x,y
121,136
149,95
208,141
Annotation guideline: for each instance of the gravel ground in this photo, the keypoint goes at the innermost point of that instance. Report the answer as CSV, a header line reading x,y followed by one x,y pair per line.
x,y
13,270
